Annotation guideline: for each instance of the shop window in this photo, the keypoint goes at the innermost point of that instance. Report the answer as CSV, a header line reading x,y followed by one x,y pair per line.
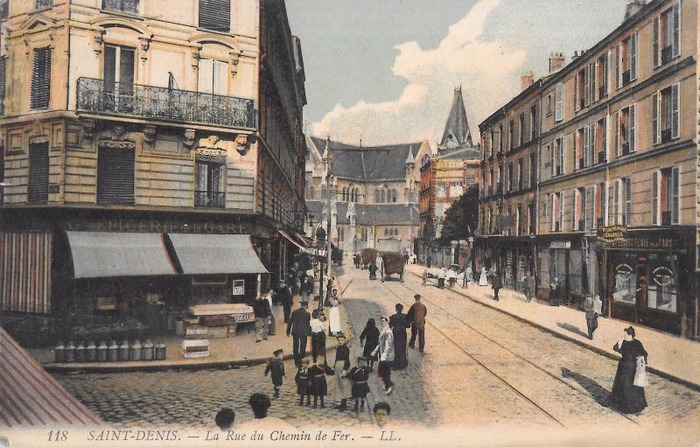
x,y
41,79
666,35
665,114
625,284
209,183
662,292
115,176
38,190
215,15
131,6
118,78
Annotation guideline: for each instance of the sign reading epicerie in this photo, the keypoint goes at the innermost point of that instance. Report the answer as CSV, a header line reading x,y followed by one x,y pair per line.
x,y
157,226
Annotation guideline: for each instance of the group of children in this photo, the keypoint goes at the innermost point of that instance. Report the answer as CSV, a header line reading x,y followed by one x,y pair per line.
x,y
311,377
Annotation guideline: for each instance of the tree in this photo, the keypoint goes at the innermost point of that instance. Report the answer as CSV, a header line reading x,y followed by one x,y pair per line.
x,y
462,216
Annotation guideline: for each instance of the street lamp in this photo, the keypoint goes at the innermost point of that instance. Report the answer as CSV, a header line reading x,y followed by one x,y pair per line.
x,y
329,192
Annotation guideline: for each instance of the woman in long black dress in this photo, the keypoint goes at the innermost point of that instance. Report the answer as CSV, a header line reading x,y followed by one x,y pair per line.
x,y
399,323
625,396
370,339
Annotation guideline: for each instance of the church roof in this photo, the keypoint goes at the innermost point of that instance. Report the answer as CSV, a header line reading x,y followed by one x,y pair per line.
x,y
373,214
457,127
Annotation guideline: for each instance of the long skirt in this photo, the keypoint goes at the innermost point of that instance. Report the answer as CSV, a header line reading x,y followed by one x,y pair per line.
x,y
334,320
343,385
626,397
400,359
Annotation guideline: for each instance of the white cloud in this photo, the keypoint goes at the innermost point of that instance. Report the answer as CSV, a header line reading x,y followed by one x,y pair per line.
x,y
486,71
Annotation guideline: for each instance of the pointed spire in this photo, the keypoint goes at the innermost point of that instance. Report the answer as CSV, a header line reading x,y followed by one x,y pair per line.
x,y
409,158
457,131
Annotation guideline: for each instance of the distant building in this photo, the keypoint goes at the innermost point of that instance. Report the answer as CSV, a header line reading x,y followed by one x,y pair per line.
x,y
373,193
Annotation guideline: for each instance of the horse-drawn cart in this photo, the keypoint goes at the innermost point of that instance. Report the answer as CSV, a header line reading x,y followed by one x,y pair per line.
x,y
392,263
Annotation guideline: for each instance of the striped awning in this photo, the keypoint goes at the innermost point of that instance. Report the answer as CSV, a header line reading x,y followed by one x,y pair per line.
x,y
25,272
30,397
207,254
105,254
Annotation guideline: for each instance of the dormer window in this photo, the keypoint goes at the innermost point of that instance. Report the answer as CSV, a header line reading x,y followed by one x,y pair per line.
x,y
215,15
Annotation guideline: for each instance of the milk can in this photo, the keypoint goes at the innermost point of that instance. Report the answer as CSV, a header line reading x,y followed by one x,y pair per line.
x,y
102,352
135,352
124,351
80,353
160,351
91,352
148,351
112,352
59,353
70,352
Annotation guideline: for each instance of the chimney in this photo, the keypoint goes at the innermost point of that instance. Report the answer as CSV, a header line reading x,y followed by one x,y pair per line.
x,y
556,62
633,8
526,80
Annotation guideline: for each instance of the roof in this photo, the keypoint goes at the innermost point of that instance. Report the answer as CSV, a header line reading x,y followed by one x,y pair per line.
x,y
362,163
456,131
469,153
374,214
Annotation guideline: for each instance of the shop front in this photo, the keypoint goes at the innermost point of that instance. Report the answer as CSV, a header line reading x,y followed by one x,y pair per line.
x,y
565,261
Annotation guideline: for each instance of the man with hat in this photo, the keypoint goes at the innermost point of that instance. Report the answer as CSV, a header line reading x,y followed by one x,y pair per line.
x,y
276,366
416,315
299,326
285,297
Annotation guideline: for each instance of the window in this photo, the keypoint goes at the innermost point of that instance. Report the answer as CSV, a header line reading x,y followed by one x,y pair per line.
x,y
212,76
667,33
627,61
557,211
559,106
41,4
509,177
533,122
579,220
622,202
3,76
115,176
601,199
500,138
662,291
601,76
4,9
521,129
215,15
131,6
511,135
665,201
665,114
209,182
119,78
625,131
41,79
38,190
533,171
585,86
559,151
519,219
600,141
519,177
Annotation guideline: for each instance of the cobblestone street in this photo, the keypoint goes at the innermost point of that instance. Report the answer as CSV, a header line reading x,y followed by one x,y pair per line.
x,y
481,369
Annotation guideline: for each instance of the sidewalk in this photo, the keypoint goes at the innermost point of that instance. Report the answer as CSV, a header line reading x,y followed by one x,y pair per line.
x,y
670,356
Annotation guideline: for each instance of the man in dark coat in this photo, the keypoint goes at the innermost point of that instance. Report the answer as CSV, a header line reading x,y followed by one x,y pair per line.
x,y
276,366
497,284
261,308
299,326
285,297
416,315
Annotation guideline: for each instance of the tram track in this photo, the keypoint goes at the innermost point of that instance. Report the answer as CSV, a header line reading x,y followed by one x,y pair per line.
x,y
514,388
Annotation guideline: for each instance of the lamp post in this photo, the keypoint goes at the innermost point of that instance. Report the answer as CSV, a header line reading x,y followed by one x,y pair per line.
x,y
328,164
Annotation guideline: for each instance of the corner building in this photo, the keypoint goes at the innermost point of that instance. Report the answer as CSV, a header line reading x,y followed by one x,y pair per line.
x,y
617,180
151,152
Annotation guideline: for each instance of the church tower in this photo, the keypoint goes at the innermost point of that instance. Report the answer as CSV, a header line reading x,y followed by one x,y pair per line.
x,y
456,133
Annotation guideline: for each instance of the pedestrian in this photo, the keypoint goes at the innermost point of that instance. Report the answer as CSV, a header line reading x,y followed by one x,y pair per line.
x,y
307,285
373,271
341,367
405,258
428,261
399,324
381,411
299,327
285,297
370,338
554,292
334,314
496,284
275,366
318,385
261,309
529,287
416,316
385,351
359,376
271,323
469,274
318,335
303,382
626,397
442,274
224,418
591,316
483,281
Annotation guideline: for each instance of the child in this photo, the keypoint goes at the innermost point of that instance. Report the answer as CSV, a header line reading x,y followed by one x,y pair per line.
x,y
302,380
359,376
370,338
276,366
317,376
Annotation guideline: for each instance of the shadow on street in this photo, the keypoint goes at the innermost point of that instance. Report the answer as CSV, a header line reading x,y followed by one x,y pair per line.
x,y
598,392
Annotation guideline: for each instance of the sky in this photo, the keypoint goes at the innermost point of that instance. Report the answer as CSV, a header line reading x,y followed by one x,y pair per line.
x,y
384,71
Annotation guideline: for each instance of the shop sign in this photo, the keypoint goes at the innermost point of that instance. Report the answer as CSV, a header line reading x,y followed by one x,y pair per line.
x,y
560,245
238,287
157,226
612,234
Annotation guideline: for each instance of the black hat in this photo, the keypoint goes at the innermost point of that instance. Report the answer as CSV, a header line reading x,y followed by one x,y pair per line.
x,y
630,331
416,296
362,359
279,351
304,303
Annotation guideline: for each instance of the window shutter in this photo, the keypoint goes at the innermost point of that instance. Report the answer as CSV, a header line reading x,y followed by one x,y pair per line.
x,y
206,75
616,141
655,198
676,30
633,56
215,15
591,81
675,99
655,122
618,73
628,200
632,128
41,79
675,196
115,176
655,45
559,106
38,188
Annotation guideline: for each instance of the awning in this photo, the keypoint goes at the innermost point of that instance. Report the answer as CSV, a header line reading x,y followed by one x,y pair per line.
x,y
98,254
205,254
293,240
30,397
304,244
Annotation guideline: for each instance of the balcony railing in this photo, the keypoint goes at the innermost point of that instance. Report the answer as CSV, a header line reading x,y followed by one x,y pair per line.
x,y
164,103
208,199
